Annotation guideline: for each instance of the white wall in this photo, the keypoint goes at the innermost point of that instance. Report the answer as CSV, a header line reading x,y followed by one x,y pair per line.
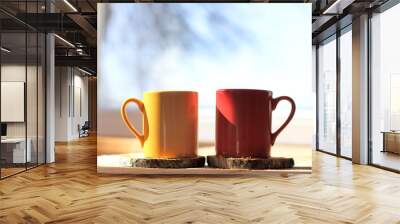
x,y
80,109
71,102
33,127
12,73
62,81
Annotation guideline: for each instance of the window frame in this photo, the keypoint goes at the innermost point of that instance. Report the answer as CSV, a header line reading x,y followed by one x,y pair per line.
x,y
334,37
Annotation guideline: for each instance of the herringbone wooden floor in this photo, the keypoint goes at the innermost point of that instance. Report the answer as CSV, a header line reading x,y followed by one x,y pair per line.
x,y
70,191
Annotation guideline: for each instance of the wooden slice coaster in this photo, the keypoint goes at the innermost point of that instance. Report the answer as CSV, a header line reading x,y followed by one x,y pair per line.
x,y
250,163
174,163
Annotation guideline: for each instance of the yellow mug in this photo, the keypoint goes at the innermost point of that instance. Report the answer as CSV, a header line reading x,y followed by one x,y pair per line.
x,y
170,120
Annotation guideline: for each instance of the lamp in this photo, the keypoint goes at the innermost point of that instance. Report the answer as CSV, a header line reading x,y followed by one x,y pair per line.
x,y
337,7
70,5
5,50
64,40
84,71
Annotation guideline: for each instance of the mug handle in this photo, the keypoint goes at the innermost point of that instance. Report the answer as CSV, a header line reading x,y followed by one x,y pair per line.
x,y
140,104
274,104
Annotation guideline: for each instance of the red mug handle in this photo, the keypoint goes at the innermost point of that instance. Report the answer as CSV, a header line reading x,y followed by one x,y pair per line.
x,y
274,104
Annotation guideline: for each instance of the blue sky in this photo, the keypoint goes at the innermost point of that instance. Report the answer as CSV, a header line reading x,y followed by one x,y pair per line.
x,y
262,46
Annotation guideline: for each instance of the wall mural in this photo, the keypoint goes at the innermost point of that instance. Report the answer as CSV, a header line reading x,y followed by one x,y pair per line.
x,y
158,55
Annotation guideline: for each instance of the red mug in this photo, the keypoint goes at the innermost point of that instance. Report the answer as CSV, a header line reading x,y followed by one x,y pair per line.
x,y
243,122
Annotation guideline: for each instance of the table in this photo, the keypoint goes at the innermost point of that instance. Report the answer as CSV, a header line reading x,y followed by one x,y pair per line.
x,y
391,141
13,150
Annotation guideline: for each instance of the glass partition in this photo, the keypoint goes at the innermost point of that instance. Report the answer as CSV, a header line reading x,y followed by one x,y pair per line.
x,y
327,96
346,93
22,88
385,89
41,96
14,155
31,100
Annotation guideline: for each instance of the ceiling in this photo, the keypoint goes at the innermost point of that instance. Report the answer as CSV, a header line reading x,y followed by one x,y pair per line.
x,y
76,22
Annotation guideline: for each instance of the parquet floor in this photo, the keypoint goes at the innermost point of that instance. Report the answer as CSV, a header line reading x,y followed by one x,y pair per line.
x,y
70,191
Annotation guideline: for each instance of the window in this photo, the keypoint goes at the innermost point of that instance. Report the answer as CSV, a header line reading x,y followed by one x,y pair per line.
x,y
346,93
385,89
327,96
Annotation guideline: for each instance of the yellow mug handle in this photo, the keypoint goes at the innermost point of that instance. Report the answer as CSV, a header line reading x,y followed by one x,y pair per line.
x,y
142,137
